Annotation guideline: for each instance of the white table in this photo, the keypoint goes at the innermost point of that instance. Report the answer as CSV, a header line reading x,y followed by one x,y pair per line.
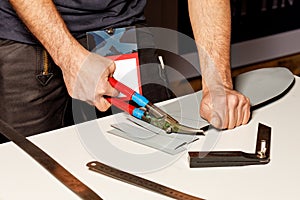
x,y
23,178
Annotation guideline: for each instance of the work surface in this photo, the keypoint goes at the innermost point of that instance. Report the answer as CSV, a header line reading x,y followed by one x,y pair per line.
x,y
22,178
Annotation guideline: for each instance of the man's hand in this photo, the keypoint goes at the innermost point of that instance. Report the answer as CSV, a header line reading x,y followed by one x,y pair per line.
x,y
85,74
89,82
225,108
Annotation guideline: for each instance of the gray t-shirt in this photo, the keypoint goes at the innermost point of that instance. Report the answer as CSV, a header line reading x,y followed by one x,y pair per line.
x,y
80,16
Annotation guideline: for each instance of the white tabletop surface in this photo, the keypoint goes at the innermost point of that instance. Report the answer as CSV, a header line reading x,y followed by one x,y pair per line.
x,y
23,178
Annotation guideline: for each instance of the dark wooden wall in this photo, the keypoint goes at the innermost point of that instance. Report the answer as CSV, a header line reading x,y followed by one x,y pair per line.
x,y
162,13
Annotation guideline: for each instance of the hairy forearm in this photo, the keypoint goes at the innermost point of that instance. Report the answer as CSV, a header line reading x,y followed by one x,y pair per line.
x,y
85,74
46,24
211,23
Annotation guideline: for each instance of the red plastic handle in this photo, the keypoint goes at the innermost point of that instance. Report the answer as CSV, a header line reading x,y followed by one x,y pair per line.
x,y
119,103
121,87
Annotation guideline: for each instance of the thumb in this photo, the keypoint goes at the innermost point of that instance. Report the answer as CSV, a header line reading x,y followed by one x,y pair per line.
x,y
216,120
208,113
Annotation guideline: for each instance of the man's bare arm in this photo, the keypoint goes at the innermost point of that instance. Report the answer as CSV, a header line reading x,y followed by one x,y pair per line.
x,y
211,23
211,27
44,21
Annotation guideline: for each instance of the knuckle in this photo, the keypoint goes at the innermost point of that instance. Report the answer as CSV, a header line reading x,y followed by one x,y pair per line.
x,y
233,100
246,100
112,67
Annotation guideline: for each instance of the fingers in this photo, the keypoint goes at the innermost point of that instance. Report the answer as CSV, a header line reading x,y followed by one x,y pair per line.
x,y
238,108
102,104
105,88
228,114
235,111
208,112
109,90
89,81
232,119
246,112
100,101
216,121
113,92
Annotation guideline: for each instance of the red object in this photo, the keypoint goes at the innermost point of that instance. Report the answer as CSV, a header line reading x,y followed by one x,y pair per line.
x,y
121,104
121,87
130,56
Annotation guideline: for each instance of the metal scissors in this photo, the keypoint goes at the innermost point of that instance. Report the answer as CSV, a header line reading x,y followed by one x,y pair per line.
x,y
147,111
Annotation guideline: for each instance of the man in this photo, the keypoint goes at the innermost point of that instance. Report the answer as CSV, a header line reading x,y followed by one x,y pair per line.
x,y
32,30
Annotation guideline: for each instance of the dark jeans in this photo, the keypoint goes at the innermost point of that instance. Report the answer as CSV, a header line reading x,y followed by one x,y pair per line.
x,y
31,101
34,98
